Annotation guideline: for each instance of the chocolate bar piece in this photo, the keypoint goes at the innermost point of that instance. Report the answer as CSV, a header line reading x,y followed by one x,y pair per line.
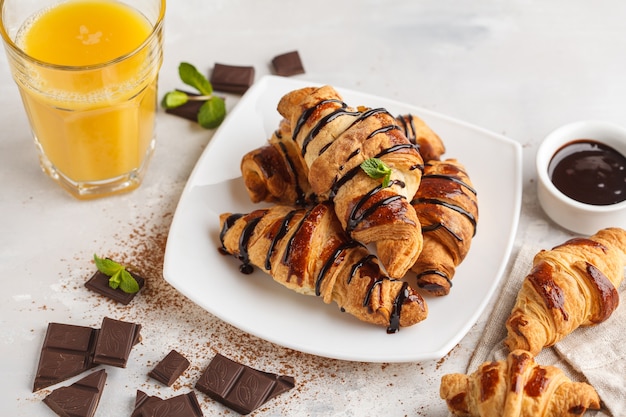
x,y
189,110
288,64
99,283
115,342
183,405
67,351
240,387
232,78
79,399
170,368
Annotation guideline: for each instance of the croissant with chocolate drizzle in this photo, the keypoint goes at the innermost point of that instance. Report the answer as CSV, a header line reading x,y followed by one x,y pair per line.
x,y
447,207
574,284
517,387
333,140
307,250
275,173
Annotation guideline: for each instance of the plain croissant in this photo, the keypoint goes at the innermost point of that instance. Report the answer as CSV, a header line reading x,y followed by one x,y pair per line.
x,y
574,284
333,140
447,207
306,250
517,387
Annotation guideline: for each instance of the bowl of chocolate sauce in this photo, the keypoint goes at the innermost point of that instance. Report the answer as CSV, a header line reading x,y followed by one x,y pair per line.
x,y
581,170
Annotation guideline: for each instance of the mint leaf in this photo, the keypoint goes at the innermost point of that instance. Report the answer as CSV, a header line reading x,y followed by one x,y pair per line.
x,y
128,284
174,99
116,279
192,77
212,113
376,169
106,265
118,275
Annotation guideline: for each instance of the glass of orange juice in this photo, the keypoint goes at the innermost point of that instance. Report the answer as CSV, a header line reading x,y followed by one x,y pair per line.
x,y
87,73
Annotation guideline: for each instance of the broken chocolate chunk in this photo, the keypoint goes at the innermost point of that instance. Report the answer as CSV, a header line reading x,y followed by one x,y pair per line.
x,y
170,368
241,387
79,399
115,342
288,64
232,78
99,283
66,352
183,405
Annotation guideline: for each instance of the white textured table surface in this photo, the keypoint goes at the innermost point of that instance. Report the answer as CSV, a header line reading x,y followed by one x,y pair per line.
x,y
519,68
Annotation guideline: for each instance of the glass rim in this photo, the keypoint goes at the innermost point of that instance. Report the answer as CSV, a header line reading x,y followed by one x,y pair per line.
x,y
156,27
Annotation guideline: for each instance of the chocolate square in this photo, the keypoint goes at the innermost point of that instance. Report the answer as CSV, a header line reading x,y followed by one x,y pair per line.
x,y
240,387
115,342
288,64
183,405
66,352
232,78
99,283
170,368
189,110
79,399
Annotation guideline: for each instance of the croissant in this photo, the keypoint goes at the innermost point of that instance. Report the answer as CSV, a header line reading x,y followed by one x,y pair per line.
x,y
333,140
517,387
429,144
447,207
307,250
274,173
574,284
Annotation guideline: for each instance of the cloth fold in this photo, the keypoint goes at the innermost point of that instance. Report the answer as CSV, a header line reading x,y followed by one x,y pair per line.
x,y
595,354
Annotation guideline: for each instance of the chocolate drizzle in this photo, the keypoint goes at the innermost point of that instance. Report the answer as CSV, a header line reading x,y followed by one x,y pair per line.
x,y
230,221
450,206
308,112
355,217
282,231
394,319
246,267
432,286
300,195
336,257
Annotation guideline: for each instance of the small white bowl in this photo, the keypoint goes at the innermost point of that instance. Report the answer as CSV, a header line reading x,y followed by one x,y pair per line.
x,y
573,215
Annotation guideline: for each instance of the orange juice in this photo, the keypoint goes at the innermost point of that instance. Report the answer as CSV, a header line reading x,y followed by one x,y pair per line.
x,y
91,112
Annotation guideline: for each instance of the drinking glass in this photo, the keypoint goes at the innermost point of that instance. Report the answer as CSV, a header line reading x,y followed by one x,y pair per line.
x,y
93,120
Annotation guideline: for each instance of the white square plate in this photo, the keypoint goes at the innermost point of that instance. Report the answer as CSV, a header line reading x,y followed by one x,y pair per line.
x,y
262,307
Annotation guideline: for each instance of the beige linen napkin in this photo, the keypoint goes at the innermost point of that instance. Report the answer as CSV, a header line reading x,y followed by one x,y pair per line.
x,y
594,354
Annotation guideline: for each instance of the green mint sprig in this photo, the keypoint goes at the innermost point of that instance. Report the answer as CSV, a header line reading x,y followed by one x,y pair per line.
x,y
119,277
376,169
213,110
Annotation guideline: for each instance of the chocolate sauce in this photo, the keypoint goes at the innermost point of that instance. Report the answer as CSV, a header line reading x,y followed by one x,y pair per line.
x,y
308,112
394,318
454,207
246,267
300,195
430,286
367,260
228,223
589,172
335,258
282,231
